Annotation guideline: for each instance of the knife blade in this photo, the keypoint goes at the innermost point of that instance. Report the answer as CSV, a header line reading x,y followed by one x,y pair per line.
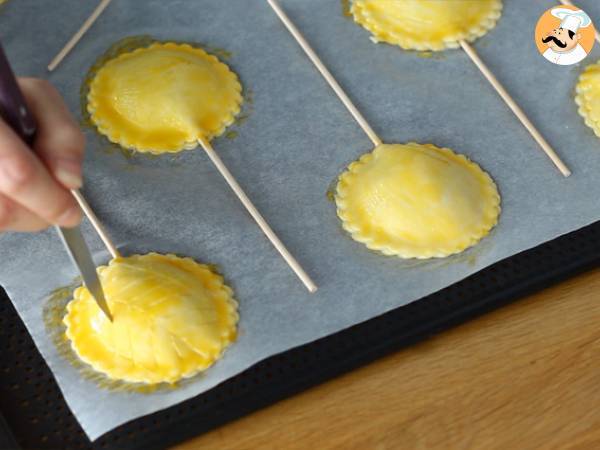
x,y
80,255
15,113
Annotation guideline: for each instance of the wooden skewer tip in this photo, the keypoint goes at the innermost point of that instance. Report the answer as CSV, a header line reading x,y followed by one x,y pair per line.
x,y
78,35
258,218
515,108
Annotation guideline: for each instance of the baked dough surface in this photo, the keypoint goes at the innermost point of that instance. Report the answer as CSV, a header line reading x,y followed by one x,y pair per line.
x,y
163,98
416,201
172,318
588,96
426,24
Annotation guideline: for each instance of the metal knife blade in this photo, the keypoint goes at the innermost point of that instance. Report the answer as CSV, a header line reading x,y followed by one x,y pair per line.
x,y
80,254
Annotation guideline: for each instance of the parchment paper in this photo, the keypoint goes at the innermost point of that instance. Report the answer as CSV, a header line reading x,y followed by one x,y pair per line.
x,y
297,139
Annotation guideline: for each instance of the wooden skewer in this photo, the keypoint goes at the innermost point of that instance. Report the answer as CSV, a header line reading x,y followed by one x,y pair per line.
x,y
77,36
262,223
89,212
516,109
369,131
570,3
325,72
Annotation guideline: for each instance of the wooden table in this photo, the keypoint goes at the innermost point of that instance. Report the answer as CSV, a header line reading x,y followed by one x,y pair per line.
x,y
526,376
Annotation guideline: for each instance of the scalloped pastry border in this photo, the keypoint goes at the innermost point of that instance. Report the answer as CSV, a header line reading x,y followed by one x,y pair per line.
x,y
119,138
215,283
583,98
366,20
359,231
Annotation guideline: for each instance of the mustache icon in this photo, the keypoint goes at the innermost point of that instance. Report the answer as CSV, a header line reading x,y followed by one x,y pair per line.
x,y
556,41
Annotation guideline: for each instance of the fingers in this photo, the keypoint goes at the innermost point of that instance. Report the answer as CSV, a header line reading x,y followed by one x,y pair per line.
x,y
25,181
59,141
34,190
13,217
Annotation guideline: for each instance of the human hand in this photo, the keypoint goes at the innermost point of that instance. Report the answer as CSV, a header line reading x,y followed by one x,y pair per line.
x,y
34,187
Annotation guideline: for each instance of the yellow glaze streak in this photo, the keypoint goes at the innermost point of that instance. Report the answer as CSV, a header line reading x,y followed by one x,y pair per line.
x,y
426,24
163,98
173,318
416,201
588,96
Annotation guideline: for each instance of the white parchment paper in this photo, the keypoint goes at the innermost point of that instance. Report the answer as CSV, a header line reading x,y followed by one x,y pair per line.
x,y
296,140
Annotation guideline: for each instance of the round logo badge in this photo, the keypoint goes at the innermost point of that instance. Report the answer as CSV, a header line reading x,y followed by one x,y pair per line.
x,y
565,35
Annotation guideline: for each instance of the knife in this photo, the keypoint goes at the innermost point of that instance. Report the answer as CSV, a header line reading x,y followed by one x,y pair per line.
x,y
15,113
81,257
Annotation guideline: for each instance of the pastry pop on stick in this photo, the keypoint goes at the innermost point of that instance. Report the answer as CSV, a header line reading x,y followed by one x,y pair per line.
x,y
436,25
173,318
169,97
570,3
409,200
78,35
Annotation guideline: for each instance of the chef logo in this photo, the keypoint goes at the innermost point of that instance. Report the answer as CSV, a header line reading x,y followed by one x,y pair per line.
x,y
565,35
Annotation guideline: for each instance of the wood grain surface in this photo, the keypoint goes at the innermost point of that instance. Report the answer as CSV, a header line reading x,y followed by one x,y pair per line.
x,y
524,377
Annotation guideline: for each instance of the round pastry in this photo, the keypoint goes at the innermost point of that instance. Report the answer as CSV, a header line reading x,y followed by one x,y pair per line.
x,y
416,201
588,96
172,318
426,24
163,98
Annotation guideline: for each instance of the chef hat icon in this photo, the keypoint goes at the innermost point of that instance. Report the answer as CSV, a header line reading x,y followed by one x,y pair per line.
x,y
572,20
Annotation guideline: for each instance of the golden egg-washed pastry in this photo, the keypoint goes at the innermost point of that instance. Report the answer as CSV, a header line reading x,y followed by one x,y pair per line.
x,y
172,318
163,98
588,96
416,201
426,24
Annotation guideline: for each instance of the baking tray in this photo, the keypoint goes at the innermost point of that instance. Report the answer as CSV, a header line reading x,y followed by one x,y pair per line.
x,y
37,416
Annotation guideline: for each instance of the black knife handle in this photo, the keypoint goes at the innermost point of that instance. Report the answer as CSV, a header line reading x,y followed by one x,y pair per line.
x,y
13,108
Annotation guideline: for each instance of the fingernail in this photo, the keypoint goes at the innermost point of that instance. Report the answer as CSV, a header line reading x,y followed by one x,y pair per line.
x,y
69,174
70,217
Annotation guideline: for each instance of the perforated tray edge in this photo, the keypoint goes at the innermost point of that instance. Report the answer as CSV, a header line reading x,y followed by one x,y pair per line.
x,y
39,418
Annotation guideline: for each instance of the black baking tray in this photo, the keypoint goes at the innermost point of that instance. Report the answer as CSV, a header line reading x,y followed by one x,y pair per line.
x,y
35,414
